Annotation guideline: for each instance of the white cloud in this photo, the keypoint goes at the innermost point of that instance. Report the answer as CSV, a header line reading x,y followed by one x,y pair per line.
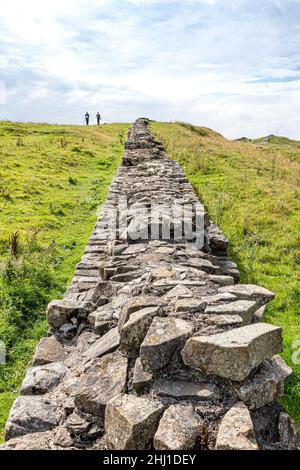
x,y
233,67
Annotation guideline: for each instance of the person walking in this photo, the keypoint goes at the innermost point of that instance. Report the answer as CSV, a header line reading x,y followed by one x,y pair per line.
x,y
98,115
87,118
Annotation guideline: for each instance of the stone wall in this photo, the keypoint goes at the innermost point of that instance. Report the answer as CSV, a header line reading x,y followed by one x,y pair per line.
x,y
155,345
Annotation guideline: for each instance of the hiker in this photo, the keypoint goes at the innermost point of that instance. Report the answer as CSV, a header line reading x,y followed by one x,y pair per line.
x,y
87,118
98,115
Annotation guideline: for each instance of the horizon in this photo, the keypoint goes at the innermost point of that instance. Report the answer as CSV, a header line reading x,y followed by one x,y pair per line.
x,y
233,68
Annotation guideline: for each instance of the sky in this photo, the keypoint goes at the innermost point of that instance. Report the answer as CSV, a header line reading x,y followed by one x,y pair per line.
x,y
231,65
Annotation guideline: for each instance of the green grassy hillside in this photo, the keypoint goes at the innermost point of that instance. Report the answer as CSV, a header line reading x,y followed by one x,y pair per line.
x,y
52,180
252,190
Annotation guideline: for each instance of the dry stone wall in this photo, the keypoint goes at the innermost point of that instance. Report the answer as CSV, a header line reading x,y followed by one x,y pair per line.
x,y
156,344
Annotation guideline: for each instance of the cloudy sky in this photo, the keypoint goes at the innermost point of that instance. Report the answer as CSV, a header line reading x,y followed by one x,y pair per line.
x,y
232,65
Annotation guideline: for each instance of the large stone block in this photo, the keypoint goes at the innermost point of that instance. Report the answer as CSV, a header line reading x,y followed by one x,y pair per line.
x,y
164,336
42,379
249,292
131,422
179,429
135,329
31,414
266,385
100,383
236,430
187,390
48,350
60,311
233,354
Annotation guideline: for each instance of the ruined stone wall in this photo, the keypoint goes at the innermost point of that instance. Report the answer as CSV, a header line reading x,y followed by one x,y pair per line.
x,y
156,344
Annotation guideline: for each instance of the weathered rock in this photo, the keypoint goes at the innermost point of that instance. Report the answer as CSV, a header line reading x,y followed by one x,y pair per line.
x,y
102,319
164,336
76,424
42,379
31,441
135,329
259,314
62,437
85,340
179,429
244,308
31,414
60,311
225,320
221,280
101,382
141,378
233,354
236,430
135,304
131,422
288,431
190,305
187,390
219,298
107,343
178,292
249,292
266,385
48,350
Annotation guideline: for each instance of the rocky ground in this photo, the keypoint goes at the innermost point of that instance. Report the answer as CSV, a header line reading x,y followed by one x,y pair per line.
x,y
156,344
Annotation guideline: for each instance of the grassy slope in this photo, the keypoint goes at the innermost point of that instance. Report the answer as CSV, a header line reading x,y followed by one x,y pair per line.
x,y
52,179
252,191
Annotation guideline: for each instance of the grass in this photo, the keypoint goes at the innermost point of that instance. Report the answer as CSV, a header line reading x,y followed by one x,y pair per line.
x,y
252,190
52,180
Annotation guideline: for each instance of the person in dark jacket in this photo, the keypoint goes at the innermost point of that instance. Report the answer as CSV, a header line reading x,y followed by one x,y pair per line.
x,y
98,116
87,118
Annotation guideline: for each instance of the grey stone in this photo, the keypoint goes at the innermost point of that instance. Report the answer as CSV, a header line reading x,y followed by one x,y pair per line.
x,y
141,378
60,311
131,422
62,437
102,319
135,329
259,314
221,280
236,430
178,292
31,414
77,424
244,308
101,382
164,336
249,292
107,343
31,441
42,379
187,390
48,350
135,304
287,431
189,305
225,320
266,385
233,354
218,298
179,429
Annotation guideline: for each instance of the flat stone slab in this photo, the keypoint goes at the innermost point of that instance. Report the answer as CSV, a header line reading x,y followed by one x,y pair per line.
x,y
244,308
249,292
187,390
135,329
190,305
233,354
101,383
48,350
31,414
164,336
107,343
131,422
266,385
32,441
179,429
225,320
236,430
42,379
